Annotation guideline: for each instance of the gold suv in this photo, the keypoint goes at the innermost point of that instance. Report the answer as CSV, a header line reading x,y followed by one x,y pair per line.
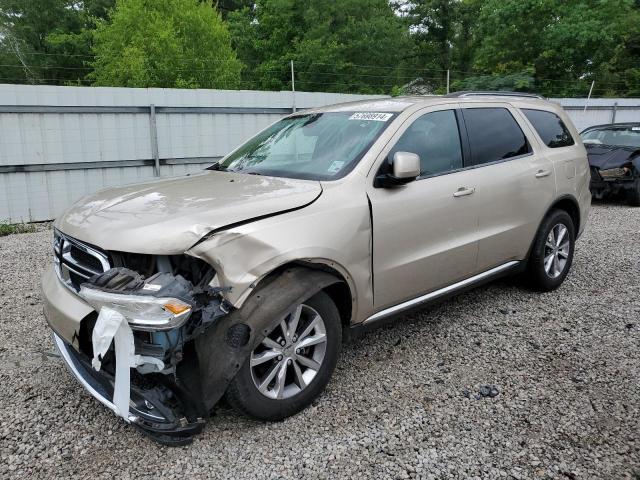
x,y
243,280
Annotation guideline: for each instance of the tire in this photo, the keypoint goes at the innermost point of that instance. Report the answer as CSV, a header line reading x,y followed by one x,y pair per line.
x,y
277,403
633,194
541,275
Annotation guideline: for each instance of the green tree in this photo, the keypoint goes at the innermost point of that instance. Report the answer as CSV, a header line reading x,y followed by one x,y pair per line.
x,y
566,43
31,31
517,82
346,46
264,38
225,7
442,34
173,43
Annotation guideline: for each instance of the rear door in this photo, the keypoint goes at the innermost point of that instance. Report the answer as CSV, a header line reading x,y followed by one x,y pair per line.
x,y
424,233
515,182
568,157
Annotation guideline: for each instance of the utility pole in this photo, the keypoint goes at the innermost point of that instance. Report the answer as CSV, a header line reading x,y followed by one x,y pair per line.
x,y
447,81
293,87
589,97
153,129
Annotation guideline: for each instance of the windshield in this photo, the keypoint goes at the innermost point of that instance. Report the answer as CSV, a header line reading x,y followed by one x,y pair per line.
x,y
319,146
622,136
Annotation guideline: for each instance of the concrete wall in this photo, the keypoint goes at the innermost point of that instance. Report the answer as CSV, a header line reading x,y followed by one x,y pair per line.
x,y
600,110
60,143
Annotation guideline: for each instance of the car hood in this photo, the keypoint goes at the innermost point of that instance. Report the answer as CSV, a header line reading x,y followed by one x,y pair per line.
x,y
610,156
168,216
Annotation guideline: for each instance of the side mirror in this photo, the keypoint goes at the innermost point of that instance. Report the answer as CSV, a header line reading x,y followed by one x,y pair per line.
x,y
405,167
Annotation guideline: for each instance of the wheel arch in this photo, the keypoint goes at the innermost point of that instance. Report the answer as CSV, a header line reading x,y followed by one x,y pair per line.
x,y
220,353
342,292
566,203
569,204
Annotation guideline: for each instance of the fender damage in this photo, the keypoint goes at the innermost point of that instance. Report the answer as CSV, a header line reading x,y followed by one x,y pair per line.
x,y
198,359
178,374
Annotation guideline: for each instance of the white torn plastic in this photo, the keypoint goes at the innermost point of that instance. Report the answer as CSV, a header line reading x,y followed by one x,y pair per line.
x,y
112,325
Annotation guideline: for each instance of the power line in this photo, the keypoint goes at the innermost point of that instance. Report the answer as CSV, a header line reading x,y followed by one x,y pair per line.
x,y
284,69
303,77
333,87
344,74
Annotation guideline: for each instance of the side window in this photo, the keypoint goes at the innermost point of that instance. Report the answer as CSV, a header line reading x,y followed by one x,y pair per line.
x,y
550,127
494,135
436,139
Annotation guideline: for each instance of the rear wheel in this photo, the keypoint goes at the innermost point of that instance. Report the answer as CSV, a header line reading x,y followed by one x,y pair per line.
x,y
292,365
552,252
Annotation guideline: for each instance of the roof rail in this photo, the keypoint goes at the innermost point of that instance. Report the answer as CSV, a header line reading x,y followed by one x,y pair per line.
x,y
497,93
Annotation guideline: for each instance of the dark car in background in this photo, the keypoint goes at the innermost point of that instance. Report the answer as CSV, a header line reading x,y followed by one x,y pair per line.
x,y
614,158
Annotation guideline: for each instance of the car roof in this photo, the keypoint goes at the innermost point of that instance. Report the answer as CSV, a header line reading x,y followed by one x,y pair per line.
x,y
400,104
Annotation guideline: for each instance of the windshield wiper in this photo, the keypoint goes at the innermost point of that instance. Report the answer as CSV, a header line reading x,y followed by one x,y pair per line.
x,y
218,167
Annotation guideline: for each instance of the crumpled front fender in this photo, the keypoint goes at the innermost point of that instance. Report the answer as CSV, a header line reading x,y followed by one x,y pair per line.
x,y
336,235
224,347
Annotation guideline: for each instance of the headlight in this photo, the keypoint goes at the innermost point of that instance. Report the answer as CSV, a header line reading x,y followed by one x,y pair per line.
x,y
143,312
614,172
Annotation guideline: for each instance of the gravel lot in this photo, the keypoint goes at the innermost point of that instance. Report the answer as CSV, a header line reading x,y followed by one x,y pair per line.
x,y
403,400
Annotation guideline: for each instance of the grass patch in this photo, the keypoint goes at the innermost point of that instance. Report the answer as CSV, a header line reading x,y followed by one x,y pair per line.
x,y
11,228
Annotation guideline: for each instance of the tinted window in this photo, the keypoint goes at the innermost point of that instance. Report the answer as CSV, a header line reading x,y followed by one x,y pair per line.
x,y
436,139
551,129
494,135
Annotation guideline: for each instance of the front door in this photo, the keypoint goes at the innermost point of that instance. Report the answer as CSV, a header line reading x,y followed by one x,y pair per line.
x,y
425,232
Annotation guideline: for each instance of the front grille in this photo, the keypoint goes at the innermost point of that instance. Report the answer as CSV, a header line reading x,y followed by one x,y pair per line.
x,y
76,262
83,258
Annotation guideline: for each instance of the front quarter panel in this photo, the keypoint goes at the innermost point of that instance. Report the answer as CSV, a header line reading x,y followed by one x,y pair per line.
x,y
335,231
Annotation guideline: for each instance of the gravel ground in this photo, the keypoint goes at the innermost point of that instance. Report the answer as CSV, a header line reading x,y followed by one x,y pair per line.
x,y
402,402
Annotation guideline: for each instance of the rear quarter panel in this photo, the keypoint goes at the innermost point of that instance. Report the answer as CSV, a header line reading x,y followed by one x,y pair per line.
x,y
573,176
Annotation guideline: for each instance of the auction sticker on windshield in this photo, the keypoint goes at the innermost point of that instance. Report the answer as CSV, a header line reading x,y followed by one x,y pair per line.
x,y
335,166
376,116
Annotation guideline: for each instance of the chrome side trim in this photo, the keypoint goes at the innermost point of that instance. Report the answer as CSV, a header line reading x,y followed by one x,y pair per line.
x,y
387,312
73,368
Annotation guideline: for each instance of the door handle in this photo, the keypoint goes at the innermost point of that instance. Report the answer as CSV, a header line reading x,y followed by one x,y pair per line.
x,y
543,173
463,191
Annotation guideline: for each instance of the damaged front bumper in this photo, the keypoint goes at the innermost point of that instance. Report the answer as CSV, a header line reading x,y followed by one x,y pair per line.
x,y
157,410
611,182
165,406
200,358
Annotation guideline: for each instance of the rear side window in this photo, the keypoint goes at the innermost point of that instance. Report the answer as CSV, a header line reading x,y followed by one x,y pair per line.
x,y
494,135
550,127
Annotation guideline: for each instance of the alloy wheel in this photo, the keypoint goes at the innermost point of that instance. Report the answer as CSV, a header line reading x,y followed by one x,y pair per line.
x,y
289,358
556,250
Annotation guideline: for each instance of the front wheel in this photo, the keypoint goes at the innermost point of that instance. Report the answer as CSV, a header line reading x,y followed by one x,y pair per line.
x,y
633,194
292,365
552,252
